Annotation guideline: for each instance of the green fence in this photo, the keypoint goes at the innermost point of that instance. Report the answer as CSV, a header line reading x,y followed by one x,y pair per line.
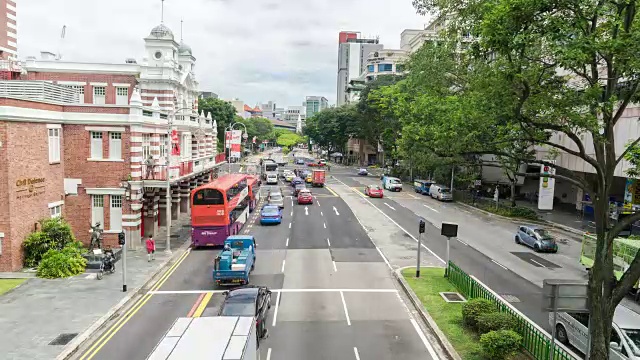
x,y
534,341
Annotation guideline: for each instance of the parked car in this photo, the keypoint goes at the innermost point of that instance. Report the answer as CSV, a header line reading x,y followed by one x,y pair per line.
x,y
270,214
440,192
249,300
422,186
373,191
536,237
305,197
363,172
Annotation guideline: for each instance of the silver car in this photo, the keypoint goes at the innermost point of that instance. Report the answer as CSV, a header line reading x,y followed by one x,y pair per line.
x,y
536,237
276,198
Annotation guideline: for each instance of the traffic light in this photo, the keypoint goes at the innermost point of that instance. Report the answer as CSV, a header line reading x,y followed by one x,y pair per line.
x,y
121,239
421,227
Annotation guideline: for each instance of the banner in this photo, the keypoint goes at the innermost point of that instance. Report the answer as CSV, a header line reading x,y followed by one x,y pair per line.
x,y
236,140
175,143
227,139
547,186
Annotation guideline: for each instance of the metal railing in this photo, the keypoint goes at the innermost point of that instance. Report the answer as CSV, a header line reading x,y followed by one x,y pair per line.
x,y
38,90
534,341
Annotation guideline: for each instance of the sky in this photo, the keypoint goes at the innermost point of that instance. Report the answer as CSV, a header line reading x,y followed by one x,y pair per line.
x,y
254,50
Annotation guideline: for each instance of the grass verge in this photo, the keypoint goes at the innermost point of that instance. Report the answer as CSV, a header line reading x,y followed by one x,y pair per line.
x,y
8,284
448,316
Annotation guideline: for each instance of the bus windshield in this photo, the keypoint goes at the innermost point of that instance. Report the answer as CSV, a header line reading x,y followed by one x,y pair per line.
x,y
271,167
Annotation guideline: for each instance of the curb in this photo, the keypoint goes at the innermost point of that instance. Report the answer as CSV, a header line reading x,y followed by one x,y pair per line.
x,y
75,344
518,220
426,318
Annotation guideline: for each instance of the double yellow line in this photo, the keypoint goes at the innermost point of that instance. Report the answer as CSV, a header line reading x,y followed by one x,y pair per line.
x,y
104,338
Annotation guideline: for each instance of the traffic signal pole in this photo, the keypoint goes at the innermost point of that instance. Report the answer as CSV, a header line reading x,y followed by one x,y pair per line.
x,y
421,228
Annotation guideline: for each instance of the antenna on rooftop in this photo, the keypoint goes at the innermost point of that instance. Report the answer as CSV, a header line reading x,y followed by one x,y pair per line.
x,y
63,33
162,12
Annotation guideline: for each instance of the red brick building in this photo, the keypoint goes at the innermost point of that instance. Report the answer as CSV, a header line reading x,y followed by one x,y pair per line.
x,y
89,142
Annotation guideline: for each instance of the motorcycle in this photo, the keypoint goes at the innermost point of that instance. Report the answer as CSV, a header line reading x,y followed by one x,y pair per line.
x,y
107,264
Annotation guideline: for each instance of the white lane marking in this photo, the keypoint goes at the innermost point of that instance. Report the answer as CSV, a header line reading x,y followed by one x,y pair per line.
x,y
328,242
334,267
306,210
292,201
346,312
287,244
275,313
413,196
384,258
430,208
321,214
269,354
464,243
497,263
283,262
336,210
390,207
396,224
355,351
424,339
317,202
537,263
325,225
291,212
188,292
289,225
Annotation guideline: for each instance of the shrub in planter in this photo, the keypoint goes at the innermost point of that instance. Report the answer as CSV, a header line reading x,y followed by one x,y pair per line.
x,y
54,234
474,308
496,321
501,344
62,263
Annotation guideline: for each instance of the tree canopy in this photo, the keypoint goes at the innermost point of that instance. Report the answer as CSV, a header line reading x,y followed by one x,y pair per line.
x,y
222,112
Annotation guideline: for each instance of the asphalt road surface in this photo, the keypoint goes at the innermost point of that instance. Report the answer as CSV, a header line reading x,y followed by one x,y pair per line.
x,y
334,296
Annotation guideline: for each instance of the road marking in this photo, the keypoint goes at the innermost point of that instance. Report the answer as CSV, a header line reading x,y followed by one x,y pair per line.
x,y
334,267
318,202
383,257
346,312
292,201
269,354
104,338
424,339
287,244
203,305
195,305
537,263
283,261
275,313
413,196
289,225
430,208
328,242
355,351
336,210
497,263
325,225
398,225
390,207
321,214
306,210
331,191
463,242
189,292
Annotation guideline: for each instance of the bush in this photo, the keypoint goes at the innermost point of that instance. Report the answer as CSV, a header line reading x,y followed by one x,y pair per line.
x,y
55,234
496,321
474,308
500,344
62,263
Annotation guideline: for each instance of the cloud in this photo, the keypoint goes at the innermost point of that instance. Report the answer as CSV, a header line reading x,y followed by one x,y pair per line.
x,y
280,50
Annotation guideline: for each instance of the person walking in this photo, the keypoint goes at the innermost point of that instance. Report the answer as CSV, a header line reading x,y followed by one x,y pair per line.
x,y
151,248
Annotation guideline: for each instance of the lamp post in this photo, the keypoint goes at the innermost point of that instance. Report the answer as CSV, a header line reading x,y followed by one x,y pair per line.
x,y
122,240
231,128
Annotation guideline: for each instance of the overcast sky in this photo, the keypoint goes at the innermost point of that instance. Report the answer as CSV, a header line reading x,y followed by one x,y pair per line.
x,y
255,50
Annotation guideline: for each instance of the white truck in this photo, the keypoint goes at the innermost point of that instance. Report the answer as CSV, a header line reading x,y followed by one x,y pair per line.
x,y
209,338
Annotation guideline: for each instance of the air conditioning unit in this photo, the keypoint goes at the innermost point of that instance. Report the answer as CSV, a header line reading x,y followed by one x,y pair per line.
x,y
130,61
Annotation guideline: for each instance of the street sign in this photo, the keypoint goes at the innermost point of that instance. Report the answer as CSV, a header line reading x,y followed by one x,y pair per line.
x,y
449,229
565,295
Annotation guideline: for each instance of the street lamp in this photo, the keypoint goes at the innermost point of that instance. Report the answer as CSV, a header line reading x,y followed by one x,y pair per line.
x,y
126,185
245,136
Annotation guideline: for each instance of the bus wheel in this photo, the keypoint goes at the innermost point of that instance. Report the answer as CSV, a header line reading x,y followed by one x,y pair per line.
x,y
561,334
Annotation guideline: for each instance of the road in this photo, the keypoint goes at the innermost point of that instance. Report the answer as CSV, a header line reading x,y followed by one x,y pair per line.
x,y
334,293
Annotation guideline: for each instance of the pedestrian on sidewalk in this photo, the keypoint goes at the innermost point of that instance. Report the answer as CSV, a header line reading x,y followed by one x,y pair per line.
x,y
151,248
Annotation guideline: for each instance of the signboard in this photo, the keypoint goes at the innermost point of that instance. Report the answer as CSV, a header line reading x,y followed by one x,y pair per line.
x,y
547,186
565,295
236,140
227,139
175,143
29,187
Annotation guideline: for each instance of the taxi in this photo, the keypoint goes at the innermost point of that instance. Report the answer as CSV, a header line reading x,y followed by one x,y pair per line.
x,y
309,179
374,191
289,176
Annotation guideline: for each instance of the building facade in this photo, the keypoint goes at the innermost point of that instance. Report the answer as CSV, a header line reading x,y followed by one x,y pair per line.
x,y
352,55
292,113
8,30
89,142
315,104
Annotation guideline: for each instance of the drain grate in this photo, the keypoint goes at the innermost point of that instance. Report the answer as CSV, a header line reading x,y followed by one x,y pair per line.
x,y
63,339
452,297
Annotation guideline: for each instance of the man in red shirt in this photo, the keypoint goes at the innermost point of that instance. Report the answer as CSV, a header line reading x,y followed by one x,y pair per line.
x,y
151,248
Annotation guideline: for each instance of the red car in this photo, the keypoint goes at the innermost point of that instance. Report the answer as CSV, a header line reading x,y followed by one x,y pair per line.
x,y
305,197
373,191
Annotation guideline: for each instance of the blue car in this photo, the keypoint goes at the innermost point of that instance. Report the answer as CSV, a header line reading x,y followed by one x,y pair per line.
x,y
270,214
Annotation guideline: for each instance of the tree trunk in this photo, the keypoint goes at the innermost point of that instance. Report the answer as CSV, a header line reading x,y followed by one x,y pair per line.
x,y
361,151
513,193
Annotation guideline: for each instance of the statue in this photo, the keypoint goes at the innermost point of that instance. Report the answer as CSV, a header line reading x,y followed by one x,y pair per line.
x,y
96,237
149,164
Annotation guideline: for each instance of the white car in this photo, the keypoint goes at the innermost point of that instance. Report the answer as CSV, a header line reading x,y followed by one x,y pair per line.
x,y
272,179
276,198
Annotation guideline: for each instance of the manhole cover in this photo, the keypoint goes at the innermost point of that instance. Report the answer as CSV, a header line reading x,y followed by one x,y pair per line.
x,y
452,297
63,339
511,298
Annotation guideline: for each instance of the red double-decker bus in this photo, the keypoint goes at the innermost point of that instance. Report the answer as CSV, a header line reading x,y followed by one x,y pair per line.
x,y
254,191
219,209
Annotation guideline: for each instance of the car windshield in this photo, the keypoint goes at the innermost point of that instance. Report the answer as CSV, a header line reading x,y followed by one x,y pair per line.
x,y
239,309
300,186
275,197
633,337
375,187
270,211
445,191
543,234
305,193
395,181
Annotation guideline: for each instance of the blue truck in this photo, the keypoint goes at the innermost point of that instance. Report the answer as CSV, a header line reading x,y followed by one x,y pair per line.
x,y
236,260
422,186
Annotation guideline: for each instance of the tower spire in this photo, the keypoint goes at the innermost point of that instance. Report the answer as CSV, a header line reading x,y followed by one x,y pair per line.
x,y
181,22
162,12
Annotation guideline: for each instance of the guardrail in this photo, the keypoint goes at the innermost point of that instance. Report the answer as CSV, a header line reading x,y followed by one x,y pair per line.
x,y
534,340
38,90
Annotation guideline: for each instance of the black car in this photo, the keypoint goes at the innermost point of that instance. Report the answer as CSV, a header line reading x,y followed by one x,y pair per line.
x,y
250,300
297,189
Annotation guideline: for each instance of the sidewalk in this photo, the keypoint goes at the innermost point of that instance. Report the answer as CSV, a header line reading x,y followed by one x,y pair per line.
x,y
563,214
40,310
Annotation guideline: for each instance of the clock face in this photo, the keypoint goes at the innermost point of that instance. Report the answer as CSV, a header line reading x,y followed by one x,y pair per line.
x,y
158,55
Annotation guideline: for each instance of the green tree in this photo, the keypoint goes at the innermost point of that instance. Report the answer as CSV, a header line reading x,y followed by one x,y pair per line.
x,y
222,112
331,128
289,140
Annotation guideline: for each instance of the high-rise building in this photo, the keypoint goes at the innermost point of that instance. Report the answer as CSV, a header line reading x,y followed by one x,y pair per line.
x,y
315,104
271,111
292,113
207,95
352,56
8,31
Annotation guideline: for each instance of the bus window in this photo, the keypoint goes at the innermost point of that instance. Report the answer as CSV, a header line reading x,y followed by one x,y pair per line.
x,y
208,197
